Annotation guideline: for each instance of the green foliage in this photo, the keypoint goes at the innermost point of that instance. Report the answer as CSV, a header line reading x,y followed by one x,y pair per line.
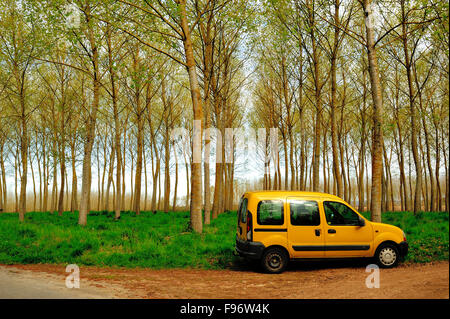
x,y
427,233
163,241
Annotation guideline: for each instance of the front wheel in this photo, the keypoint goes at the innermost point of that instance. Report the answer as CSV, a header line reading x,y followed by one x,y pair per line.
x,y
387,255
274,260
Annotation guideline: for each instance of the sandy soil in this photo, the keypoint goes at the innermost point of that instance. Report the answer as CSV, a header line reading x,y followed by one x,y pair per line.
x,y
337,280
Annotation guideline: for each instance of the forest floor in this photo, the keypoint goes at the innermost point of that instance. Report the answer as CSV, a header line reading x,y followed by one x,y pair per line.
x,y
325,280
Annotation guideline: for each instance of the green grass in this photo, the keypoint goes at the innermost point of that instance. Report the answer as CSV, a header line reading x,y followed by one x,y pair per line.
x,y
164,240
426,232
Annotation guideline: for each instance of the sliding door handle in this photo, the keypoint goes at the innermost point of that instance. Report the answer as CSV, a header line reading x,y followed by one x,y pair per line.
x,y
331,231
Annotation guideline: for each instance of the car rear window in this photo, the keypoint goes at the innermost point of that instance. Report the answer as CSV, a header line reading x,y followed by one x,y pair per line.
x,y
243,210
270,212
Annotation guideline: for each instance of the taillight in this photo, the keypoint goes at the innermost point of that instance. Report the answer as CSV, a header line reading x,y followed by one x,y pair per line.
x,y
249,227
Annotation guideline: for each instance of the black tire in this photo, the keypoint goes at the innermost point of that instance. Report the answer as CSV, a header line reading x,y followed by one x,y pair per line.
x,y
387,255
274,260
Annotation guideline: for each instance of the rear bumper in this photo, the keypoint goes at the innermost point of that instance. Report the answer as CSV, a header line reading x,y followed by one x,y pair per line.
x,y
403,248
249,249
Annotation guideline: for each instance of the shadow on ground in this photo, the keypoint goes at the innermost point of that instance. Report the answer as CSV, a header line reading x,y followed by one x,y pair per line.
x,y
243,265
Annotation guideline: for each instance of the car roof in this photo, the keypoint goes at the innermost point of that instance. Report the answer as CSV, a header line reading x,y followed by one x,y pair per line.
x,y
284,193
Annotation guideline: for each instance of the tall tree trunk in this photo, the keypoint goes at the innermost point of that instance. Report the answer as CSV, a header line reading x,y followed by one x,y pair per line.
x,y
2,186
117,146
219,166
140,133
112,159
90,130
196,167
23,157
155,173
166,169
186,166
318,106
334,146
415,151
34,186
377,115
207,75
145,180
131,179
74,201
174,205
45,169
62,148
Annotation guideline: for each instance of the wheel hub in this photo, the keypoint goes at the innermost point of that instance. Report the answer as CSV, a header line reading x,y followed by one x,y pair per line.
x,y
388,256
274,261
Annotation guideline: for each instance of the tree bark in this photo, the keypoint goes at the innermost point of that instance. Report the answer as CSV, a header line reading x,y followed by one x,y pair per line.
x,y
377,133
90,129
196,173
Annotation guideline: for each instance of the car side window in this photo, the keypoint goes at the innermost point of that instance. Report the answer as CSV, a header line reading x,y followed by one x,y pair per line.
x,y
270,212
304,213
243,210
339,214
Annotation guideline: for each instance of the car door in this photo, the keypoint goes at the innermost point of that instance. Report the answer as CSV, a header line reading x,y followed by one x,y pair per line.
x,y
305,235
343,236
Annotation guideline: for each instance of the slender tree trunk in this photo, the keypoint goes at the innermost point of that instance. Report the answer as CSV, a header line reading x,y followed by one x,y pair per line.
x,y
112,79
174,205
317,96
334,146
196,178
110,176
90,132
207,74
45,161
155,179
219,167
145,179
34,186
186,166
16,168
415,151
166,169
131,180
377,115
74,205
24,158
62,147
4,198
2,184
140,133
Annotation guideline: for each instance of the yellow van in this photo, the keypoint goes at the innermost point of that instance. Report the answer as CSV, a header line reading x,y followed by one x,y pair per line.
x,y
277,226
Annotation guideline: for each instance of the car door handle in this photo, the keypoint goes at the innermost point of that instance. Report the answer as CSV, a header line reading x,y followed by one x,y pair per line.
x,y
317,231
331,231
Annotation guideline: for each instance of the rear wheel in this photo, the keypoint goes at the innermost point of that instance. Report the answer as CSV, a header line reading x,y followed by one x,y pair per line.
x,y
274,260
387,255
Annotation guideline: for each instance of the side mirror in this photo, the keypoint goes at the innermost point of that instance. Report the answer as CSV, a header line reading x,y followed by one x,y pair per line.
x,y
361,222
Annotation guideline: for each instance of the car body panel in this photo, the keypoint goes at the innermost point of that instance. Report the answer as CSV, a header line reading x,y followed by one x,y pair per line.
x,y
302,241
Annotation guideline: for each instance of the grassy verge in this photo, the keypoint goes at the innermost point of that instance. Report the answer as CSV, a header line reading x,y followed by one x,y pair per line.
x,y
427,233
164,241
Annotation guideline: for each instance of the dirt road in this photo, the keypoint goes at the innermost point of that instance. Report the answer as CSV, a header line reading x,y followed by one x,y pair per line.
x,y
17,283
301,280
